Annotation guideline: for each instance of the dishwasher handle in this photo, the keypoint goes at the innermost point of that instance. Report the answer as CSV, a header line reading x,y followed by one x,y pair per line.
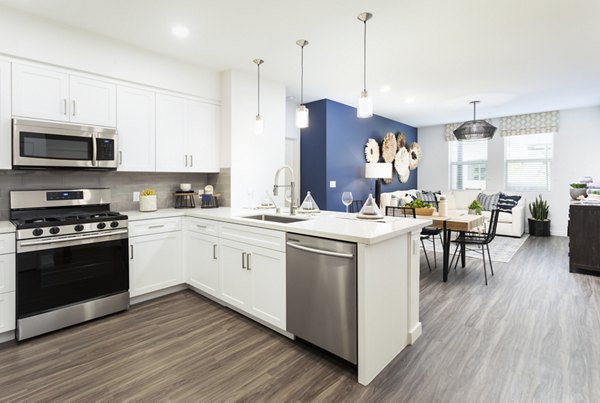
x,y
320,251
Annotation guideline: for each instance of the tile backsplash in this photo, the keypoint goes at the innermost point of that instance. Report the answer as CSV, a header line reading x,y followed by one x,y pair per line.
x,y
122,184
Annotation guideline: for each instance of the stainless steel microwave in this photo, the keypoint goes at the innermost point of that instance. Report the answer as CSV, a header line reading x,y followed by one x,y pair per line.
x,y
40,144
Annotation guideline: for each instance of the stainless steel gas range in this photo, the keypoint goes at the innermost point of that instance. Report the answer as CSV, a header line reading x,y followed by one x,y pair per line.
x,y
72,258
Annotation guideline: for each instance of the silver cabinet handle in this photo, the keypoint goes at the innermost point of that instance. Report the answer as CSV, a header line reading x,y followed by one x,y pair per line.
x,y
243,260
131,250
74,105
201,226
214,251
191,160
65,106
156,226
94,149
186,161
120,157
248,261
320,251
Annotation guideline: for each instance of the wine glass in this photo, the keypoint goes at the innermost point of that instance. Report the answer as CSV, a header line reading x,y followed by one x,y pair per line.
x,y
347,199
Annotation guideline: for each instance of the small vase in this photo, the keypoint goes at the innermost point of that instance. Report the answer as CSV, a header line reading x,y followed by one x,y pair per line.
x,y
472,211
148,203
575,193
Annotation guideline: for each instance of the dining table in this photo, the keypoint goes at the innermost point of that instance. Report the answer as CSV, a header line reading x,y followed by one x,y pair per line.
x,y
459,223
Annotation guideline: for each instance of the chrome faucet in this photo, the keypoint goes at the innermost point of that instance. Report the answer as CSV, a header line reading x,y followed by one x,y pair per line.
x,y
276,187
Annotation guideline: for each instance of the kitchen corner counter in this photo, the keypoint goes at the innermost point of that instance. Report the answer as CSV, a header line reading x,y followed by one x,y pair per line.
x,y
327,224
6,227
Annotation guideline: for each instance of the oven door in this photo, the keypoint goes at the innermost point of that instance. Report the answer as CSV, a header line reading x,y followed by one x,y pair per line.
x,y
58,272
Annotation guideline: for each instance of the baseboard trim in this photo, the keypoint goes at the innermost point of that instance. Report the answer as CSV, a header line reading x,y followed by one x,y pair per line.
x,y
157,294
415,333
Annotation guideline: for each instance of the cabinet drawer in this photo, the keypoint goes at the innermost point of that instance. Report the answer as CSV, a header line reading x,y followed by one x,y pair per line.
x,y
265,238
154,226
7,273
7,243
201,226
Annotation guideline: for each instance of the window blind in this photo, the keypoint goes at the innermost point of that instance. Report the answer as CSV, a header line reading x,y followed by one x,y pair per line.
x,y
468,164
528,162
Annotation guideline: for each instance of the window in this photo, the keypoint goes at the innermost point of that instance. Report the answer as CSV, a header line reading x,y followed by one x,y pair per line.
x,y
528,162
468,164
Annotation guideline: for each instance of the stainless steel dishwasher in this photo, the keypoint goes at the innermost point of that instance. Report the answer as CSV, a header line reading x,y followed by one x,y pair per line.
x,y
321,293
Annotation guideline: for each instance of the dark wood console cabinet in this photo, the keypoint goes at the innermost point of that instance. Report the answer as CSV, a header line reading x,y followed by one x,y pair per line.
x,y
584,239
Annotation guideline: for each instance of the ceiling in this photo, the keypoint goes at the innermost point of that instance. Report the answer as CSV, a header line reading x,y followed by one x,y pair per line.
x,y
435,55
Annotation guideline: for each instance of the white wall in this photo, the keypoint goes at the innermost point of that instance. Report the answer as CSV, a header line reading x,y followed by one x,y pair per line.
x,y
576,148
29,37
254,158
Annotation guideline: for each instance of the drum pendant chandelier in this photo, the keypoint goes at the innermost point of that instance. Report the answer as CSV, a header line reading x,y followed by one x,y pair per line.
x,y
475,129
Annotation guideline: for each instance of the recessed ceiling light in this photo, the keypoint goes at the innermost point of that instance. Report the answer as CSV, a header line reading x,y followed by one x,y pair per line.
x,y
409,100
180,31
385,88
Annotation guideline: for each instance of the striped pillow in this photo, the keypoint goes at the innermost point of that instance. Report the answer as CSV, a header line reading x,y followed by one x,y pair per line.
x,y
488,202
506,202
430,197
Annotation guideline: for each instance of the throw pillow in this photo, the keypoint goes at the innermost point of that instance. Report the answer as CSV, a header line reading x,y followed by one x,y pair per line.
x,y
507,202
488,202
430,197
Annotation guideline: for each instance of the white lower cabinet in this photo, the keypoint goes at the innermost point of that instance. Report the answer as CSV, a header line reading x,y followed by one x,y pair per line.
x,y
7,312
7,282
155,262
202,254
235,278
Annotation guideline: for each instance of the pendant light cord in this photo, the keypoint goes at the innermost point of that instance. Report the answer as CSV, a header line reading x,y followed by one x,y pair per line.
x,y
302,75
365,57
258,94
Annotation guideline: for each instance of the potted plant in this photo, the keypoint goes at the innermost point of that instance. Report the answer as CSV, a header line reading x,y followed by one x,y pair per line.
x,y
539,224
421,208
475,207
577,190
148,200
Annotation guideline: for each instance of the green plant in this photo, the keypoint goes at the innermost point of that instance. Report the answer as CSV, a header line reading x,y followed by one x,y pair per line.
x,y
418,203
475,205
148,192
539,209
578,185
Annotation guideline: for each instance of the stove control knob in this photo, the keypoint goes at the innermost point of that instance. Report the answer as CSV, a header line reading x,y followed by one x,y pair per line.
x,y
114,224
54,230
101,225
38,231
79,228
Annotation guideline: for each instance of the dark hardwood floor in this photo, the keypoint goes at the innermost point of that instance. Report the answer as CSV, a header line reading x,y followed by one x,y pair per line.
x,y
533,334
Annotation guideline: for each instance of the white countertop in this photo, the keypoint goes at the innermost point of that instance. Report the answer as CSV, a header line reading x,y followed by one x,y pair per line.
x,y
6,227
326,224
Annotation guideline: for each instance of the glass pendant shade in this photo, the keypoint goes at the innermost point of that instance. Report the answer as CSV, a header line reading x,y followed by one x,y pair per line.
x,y
365,106
258,125
302,117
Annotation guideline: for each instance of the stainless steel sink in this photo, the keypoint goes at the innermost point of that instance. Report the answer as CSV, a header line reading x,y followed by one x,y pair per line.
x,y
274,218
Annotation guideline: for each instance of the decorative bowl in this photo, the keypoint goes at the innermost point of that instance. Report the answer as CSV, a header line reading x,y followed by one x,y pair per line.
x,y
424,211
185,187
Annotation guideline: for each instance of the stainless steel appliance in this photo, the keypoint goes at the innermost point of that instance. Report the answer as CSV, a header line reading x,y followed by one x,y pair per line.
x,y
72,258
41,144
321,293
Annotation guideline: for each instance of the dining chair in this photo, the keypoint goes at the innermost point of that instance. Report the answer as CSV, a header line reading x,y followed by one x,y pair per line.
x,y
428,233
480,241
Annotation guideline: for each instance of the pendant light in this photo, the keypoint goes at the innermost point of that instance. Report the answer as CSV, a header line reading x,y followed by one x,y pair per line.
x,y
302,111
365,104
258,123
475,129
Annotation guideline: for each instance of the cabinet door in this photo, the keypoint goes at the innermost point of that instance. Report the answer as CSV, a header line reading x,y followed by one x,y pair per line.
x,y
268,286
93,102
7,312
235,278
156,262
202,137
203,262
40,93
7,273
135,125
170,134
5,116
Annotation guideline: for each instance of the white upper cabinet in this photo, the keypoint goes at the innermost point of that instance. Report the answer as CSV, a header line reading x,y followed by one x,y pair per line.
x,y
136,128
44,93
187,135
92,101
5,116
40,93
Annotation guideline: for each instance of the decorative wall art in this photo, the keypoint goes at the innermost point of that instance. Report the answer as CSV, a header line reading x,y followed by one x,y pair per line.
x,y
372,151
394,149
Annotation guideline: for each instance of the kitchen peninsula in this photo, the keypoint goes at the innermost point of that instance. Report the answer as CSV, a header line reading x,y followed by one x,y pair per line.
x,y
240,263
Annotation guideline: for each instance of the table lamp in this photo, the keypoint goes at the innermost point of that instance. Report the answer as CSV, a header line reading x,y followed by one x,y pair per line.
x,y
378,171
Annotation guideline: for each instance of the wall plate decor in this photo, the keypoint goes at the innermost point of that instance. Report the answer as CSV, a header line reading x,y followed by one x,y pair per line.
x,y
401,165
372,151
389,149
415,154
401,140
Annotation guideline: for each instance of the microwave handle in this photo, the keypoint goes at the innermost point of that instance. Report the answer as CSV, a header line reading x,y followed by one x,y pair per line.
x,y
94,149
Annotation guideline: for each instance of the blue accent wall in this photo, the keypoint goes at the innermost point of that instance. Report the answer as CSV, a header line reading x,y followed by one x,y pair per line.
x,y
332,148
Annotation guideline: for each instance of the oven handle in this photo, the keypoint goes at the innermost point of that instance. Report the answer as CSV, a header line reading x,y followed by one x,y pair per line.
x,y
69,241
